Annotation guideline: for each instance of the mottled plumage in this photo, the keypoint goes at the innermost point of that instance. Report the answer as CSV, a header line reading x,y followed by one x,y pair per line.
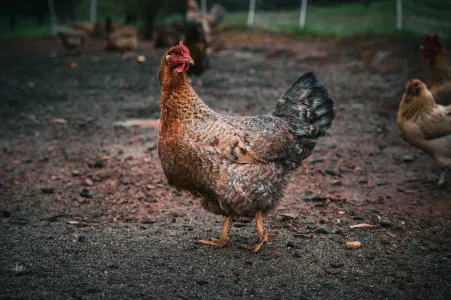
x,y
238,165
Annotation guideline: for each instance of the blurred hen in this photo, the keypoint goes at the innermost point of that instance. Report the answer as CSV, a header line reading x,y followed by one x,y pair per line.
x,y
425,124
433,50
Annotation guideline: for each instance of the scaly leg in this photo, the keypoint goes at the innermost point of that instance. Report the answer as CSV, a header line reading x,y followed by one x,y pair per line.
x,y
441,181
224,238
261,232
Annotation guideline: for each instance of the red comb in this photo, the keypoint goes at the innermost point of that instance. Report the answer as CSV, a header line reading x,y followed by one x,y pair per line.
x,y
185,50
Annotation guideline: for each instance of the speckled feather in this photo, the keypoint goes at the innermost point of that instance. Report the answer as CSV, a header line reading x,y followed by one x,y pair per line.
x,y
238,165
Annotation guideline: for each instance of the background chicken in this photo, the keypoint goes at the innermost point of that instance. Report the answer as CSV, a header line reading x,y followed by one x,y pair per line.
x,y
435,52
122,39
71,39
425,124
239,165
91,28
110,26
197,46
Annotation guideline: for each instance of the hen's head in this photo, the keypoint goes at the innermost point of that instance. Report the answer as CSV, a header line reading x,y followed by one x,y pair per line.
x,y
431,45
415,87
178,58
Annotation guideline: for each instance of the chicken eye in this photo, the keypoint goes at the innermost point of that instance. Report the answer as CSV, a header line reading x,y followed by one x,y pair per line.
x,y
176,54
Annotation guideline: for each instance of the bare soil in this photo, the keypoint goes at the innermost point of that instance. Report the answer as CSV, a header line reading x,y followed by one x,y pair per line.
x,y
86,213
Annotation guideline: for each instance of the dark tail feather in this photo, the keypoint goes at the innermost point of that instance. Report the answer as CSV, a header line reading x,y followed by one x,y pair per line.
x,y
308,107
219,12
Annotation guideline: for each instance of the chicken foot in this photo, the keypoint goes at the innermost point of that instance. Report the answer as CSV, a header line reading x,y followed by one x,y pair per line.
x,y
261,232
223,239
441,181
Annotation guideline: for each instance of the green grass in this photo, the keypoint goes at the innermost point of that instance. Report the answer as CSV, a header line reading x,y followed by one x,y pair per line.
x,y
340,20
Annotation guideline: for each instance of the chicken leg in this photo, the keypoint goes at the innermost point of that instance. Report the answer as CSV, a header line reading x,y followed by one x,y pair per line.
x,y
441,181
261,232
223,239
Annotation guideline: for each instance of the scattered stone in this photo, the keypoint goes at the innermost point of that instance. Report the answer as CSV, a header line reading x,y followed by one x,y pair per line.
x,y
382,182
75,173
81,239
88,182
6,214
312,197
151,200
358,217
386,223
98,164
85,193
338,231
332,172
323,230
288,216
188,227
316,160
337,264
408,158
401,189
48,190
202,282
333,271
320,204
362,181
336,182
311,225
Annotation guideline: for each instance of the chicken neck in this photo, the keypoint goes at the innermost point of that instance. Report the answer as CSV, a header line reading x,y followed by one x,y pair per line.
x,y
178,98
440,69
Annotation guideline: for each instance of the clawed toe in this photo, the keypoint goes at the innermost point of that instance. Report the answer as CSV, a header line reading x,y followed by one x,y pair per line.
x,y
214,242
255,248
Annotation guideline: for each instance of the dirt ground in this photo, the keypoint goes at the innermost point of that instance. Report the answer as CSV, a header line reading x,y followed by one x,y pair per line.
x,y
86,213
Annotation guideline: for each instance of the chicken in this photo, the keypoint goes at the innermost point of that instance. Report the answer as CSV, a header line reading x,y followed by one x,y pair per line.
x,y
168,35
197,46
72,39
240,166
91,28
110,26
209,21
435,52
122,39
425,124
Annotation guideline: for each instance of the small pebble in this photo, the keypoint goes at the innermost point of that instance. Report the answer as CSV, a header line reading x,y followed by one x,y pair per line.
x,y
386,223
333,271
337,264
85,193
323,230
408,158
48,190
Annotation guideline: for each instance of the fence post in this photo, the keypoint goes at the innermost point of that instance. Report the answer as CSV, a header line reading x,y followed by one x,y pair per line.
x,y
399,15
93,10
203,6
52,15
250,16
303,14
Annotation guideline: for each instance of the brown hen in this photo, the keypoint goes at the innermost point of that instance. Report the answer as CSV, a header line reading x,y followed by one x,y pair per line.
x,y
240,166
435,52
425,124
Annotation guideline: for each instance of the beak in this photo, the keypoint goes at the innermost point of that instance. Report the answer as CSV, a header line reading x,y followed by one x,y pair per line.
x,y
189,60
